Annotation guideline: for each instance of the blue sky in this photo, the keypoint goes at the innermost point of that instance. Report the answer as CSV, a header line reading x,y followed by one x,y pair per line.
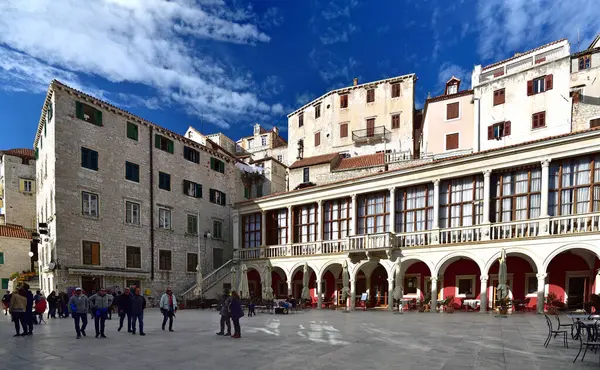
x,y
223,65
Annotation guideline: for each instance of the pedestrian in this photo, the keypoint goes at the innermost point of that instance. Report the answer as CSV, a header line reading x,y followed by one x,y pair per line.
x,y
29,318
64,304
137,311
6,302
40,307
52,303
237,313
225,314
99,305
17,307
92,316
114,305
123,303
252,306
168,307
79,307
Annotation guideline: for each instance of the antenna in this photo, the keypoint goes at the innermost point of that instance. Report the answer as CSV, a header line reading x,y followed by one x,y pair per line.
x,y
578,40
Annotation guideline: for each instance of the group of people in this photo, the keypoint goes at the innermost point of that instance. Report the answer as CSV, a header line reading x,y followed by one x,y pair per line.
x,y
231,310
20,305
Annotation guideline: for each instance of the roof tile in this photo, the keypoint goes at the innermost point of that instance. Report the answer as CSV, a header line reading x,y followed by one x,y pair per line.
x,y
14,232
313,161
361,161
20,152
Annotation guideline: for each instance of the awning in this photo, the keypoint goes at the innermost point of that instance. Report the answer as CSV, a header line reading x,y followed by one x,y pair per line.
x,y
93,272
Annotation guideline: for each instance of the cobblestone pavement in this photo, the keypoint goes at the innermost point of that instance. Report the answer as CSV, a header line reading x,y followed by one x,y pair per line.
x,y
305,340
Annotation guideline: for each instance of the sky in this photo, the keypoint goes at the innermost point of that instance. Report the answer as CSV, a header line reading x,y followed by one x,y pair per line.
x,y
224,65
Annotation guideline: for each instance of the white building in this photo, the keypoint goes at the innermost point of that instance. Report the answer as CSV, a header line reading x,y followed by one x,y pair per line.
x,y
585,87
15,245
17,188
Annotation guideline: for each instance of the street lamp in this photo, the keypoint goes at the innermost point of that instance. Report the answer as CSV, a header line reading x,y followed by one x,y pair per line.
x,y
30,254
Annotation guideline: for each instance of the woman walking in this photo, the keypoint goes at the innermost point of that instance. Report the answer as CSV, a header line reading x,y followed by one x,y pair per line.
x,y
17,307
168,307
236,314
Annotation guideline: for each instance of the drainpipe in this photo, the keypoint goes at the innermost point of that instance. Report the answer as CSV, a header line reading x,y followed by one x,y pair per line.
x,y
477,146
151,206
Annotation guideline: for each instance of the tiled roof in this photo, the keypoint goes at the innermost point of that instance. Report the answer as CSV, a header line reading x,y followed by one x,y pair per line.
x,y
313,161
521,54
585,52
361,161
20,152
449,96
14,232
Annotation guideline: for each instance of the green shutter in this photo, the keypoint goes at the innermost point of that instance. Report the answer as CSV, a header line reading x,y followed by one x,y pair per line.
x,y
37,154
44,128
222,167
246,192
1,258
132,131
79,110
5,284
223,199
157,141
212,163
170,146
198,191
98,114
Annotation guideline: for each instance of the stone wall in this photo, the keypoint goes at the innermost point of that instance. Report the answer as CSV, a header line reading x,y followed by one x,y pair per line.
x,y
587,106
19,206
16,258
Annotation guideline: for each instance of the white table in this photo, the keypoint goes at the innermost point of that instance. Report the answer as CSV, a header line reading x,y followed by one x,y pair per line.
x,y
473,303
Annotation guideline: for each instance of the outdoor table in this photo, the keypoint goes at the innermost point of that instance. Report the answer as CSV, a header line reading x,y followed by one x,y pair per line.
x,y
405,301
473,303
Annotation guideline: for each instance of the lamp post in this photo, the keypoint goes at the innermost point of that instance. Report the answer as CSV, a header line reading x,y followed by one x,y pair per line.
x,y
199,278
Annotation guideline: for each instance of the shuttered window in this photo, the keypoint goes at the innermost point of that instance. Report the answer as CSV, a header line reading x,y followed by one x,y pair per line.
x,y
344,130
91,253
163,143
89,159
2,259
538,120
132,172
88,113
499,97
192,262
452,141
164,260
217,197
499,130
452,111
132,131
370,95
317,111
192,224
191,154
540,85
164,181
192,189
317,138
396,121
396,90
301,120
217,165
134,257
344,101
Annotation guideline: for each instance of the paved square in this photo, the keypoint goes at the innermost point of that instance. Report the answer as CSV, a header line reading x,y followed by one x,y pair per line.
x,y
306,340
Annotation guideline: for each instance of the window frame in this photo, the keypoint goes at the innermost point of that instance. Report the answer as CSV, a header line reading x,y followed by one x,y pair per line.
x,y
457,104
395,121
317,111
89,159
396,89
557,171
191,267
587,62
446,141
538,120
301,119
277,227
363,203
217,165
136,263
371,95
162,259
343,130
214,194
83,109
403,195
90,197
499,96
189,185
132,131
539,83
497,197
337,218
25,187
191,154
162,178
164,143
306,175
194,225
301,222
91,245
217,231
129,213
317,138
165,225
450,190
252,230
132,169
343,101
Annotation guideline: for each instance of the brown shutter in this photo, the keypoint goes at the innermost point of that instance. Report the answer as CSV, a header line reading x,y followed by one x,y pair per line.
x,y
344,130
95,254
548,82
448,111
595,123
451,141
507,128
317,139
452,111
490,132
529,87
534,120
542,119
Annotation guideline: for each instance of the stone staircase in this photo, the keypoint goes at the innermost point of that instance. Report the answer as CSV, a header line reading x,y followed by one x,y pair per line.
x,y
209,281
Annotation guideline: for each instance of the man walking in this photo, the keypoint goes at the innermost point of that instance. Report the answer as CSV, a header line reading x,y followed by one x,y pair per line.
x,y
6,302
124,306
29,310
168,307
137,311
100,304
225,313
79,306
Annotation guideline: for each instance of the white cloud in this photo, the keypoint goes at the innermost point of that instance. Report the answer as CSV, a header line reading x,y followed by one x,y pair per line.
x,y
149,42
277,109
333,67
342,34
509,26
447,70
338,8
303,98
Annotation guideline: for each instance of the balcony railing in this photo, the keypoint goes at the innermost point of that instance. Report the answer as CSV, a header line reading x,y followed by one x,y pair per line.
x,y
378,133
562,225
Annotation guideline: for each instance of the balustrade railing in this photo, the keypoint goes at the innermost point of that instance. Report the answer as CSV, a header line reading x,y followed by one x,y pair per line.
x,y
572,224
463,234
515,230
414,239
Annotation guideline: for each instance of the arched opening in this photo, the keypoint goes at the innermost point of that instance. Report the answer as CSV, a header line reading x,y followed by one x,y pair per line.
x,y
331,285
417,280
298,283
372,278
460,277
571,278
279,282
254,282
521,281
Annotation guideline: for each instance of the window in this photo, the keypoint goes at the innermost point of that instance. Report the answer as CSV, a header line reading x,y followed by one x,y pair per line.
x,y
461,202
27,186
305,223
91,253
538,120
192,262
344,155
5,284
317,111
499,97
465,286
539,85
191,155
132,131
259,190
585,62
134,257
263,141
306,175
395,121
162,143
499,130
192,224
370,95
337,216
164,181
132,172
574,186
344,101
343,130
88,113
217,229
1,258
89,159
89,204
132,213
452,89
246,192
280,158
217,197
217,165
250,143
164,218
396,90
277,227
410,285
317,138
595,123
452,141
516,195
251,236
192,189
452,111
164,260
414,208
373,213
300,148
49,112
531,283
217,258
301,120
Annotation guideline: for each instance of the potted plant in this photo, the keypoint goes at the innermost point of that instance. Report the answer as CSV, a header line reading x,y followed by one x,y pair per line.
x,y
421,305
550,307
503,305
427,302
449,303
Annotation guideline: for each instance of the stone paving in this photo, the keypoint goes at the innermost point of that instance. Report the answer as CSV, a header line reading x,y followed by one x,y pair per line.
x,y
305,340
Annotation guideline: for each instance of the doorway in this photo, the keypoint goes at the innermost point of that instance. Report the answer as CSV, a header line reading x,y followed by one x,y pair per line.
x,y
577,292
91,283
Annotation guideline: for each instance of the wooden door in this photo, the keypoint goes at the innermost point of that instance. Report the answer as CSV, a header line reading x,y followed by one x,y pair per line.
x,y
370,127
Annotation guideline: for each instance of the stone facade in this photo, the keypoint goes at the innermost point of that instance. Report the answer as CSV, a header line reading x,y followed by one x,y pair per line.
x,y
15,256
585,88
67,180
17,199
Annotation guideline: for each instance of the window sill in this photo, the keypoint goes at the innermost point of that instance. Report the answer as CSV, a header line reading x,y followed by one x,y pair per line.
x,y
133,225
538,128
452,119
164,229
95,218
132,181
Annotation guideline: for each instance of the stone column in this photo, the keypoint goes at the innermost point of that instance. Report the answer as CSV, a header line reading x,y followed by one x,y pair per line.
x,y
544,219
352,295
368,283
483,295
319,295
434,294
436,204
320,220
486,235
541,292
392,210
263,228
236,230
391,294
290,231
354,216
597,286
290,288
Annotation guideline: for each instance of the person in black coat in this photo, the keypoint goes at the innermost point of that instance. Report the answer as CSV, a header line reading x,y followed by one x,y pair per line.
x,y
138,304
52,303
124,306
29,309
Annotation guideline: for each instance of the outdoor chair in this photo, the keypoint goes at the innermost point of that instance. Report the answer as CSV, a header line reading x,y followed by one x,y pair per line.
x,y
523,305
551,332
591,338
570,325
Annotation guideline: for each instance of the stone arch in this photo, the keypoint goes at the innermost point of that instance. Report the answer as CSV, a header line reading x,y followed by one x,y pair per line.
x,y
460,254
513,252
300,265
286,275
590,248
354,270
259,269
413,259
327,265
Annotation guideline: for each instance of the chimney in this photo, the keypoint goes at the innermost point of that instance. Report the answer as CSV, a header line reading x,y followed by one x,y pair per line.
x,y
355,81
276,129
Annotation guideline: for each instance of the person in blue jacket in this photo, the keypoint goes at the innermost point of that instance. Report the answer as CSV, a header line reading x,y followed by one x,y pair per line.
x,y
235,308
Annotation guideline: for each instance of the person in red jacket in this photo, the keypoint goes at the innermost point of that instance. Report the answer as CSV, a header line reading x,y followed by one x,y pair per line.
x,y
40,308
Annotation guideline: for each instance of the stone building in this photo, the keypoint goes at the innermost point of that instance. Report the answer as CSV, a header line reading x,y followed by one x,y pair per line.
x,y
127,201
15,245
585,87
18,187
